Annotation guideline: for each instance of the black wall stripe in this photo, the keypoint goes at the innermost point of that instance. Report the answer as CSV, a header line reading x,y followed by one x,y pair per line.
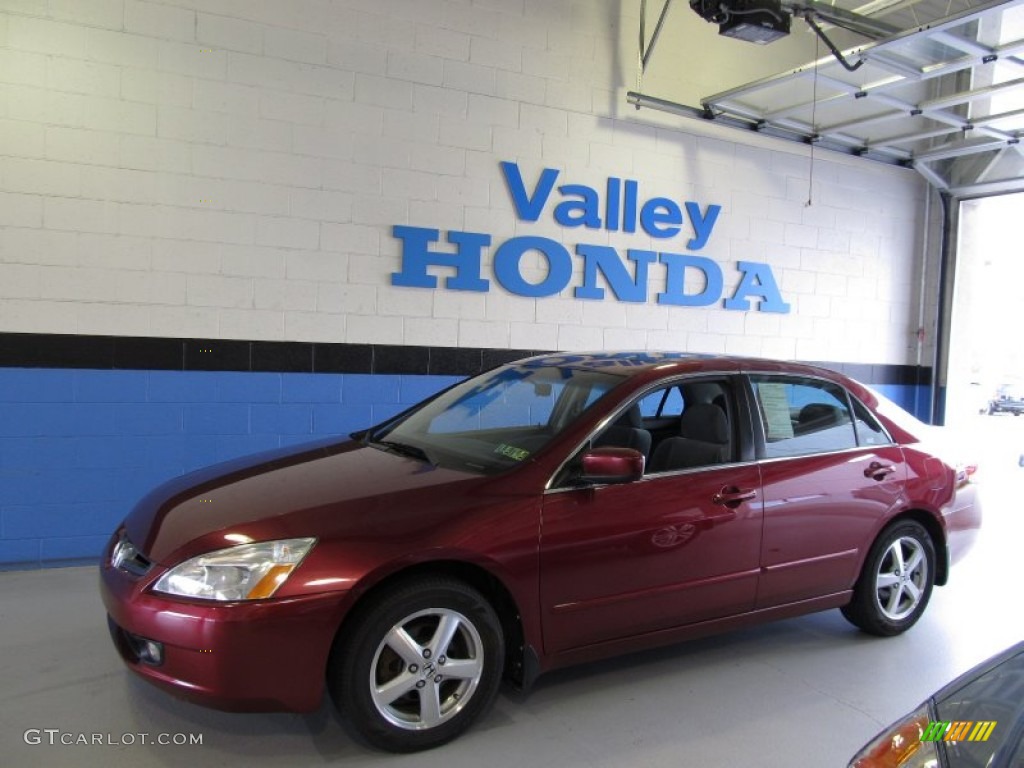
x,y
46,350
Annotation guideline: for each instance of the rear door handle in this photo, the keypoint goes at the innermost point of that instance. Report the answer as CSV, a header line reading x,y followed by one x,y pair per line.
x,y
732,497
878,471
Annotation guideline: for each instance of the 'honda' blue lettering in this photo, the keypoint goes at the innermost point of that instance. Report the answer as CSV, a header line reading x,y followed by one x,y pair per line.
x,y
416,257
676,265
580,205
601,258
757,281
508,270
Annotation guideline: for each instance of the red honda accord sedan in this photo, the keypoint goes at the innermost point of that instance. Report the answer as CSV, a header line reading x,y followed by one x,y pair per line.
x,y
559,509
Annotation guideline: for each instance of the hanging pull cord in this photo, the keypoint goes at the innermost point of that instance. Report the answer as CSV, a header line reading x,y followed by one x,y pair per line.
x,y
814,125
835,51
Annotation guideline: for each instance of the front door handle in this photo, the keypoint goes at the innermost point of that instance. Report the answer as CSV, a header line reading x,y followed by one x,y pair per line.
x,y
878,471
732,497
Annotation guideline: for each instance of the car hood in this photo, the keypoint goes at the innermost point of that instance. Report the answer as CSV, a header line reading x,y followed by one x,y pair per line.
x,y
280,494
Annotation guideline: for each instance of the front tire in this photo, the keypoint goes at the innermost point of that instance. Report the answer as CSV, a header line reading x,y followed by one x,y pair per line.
x,y
896,583
416,668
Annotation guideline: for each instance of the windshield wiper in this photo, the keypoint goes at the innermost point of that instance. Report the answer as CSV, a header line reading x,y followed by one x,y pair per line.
x,y
403,449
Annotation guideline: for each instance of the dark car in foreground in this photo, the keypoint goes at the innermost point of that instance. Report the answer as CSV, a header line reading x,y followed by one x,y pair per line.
x,y
977,721
556,510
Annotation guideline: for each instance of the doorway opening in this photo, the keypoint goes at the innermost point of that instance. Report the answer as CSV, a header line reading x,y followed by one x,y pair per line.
x,y
986,345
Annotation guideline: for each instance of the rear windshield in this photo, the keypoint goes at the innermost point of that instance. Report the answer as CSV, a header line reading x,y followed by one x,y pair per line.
x,y
903,419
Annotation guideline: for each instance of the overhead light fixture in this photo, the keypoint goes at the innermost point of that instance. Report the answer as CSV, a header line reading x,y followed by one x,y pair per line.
x,y
755,21
764,21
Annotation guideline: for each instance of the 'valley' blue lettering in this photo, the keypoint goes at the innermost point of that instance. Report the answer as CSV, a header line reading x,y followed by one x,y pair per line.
x,y
659,217
612,206
702,224
651,217
585,211
528,208
629,206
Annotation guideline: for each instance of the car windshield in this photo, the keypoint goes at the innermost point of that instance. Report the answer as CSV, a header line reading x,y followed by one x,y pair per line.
x,y
496,420
991,709
1011,392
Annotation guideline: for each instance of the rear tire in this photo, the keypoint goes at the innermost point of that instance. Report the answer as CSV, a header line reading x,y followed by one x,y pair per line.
x,y
418,666
896,582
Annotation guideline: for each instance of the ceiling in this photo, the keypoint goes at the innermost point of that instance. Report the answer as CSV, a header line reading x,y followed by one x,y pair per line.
x,y
941,91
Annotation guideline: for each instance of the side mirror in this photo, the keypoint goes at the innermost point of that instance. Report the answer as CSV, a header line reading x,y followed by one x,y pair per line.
x,y
612,465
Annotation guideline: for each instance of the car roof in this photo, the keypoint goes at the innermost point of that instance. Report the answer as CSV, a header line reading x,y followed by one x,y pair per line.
x,y
634,362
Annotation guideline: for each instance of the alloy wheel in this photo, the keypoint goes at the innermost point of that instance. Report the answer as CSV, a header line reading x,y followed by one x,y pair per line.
x,y
426,669
902,578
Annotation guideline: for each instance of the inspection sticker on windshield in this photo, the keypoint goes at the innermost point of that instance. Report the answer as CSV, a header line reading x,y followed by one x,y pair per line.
x,y
511,451
944,730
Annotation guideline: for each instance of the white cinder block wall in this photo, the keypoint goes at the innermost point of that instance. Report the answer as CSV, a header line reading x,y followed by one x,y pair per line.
x,y
233,169
200,171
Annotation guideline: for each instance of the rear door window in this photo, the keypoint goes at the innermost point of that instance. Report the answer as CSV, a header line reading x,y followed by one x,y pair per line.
x,y
803,416
869,431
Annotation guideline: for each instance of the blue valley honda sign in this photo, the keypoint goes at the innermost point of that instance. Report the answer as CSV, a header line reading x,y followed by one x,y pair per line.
x,y
575,206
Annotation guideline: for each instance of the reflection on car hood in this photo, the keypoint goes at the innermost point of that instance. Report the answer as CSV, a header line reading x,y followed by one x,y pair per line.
x,y
267,491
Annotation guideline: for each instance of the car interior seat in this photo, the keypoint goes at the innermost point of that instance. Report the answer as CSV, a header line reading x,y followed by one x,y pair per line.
x,y
627,432
817,416
703,440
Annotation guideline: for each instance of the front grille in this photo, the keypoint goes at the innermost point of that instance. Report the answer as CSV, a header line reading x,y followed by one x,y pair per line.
x,y
127,558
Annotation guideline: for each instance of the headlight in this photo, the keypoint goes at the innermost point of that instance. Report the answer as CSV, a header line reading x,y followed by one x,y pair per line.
x,y
246,572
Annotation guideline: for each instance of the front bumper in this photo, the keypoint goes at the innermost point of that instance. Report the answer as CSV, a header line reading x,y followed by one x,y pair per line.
x,y
258,656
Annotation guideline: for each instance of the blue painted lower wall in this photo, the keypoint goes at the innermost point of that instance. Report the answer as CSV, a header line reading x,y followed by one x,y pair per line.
x,y
915,399
79,447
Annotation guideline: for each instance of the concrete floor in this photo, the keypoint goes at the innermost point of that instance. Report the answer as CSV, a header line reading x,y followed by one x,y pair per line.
x,y
807,691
